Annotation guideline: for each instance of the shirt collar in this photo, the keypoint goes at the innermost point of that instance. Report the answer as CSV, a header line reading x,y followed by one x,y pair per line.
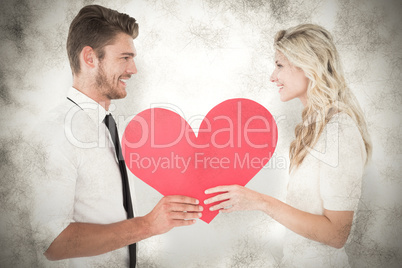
x,y
95,111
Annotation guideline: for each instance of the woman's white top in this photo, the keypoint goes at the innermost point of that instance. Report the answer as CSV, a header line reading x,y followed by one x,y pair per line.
x,y
329,178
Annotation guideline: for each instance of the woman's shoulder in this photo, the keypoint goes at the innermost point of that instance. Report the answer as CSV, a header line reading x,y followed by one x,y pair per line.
x,y
341,129
343,123
342,118
342,133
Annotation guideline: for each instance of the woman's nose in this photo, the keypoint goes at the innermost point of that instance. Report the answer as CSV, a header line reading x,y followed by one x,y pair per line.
x,y
273,77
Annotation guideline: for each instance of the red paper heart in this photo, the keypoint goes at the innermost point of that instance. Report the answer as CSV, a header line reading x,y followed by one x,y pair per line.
x,y
235,140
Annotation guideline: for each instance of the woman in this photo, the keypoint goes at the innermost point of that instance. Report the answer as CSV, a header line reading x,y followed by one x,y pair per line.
x,y
327,156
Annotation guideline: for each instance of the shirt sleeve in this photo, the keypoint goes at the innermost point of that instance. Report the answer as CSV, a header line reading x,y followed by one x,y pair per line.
x,y
52,184
341,168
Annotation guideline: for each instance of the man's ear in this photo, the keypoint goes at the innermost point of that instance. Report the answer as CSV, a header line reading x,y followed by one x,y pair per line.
x,y
88,57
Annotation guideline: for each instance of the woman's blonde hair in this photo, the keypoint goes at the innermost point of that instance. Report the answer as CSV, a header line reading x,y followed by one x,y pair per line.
x,y
311,48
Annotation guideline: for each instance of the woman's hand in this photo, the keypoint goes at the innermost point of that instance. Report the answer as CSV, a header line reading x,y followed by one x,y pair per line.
x,y
233,198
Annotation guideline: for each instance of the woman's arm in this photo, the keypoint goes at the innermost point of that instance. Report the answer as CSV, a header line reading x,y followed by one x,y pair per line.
x,y
332,228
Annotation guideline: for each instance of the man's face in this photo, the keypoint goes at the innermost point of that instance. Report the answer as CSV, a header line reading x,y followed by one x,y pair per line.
x,y
116,67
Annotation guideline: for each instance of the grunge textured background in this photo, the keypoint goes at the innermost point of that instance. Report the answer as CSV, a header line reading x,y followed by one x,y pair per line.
x,y
191,56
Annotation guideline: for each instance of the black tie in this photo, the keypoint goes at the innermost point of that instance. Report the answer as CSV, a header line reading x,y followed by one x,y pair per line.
x,y
111,125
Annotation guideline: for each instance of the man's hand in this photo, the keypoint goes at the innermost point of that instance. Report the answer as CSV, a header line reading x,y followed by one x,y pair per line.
x,y
173,211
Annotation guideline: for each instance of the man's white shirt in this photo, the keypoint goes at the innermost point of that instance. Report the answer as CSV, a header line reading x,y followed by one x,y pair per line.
x,y
80,179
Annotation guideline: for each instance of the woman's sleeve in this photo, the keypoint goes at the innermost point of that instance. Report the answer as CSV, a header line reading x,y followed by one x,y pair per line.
x,y
341,168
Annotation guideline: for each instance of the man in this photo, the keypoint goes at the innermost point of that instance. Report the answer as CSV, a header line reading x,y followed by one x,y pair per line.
x,y
78,212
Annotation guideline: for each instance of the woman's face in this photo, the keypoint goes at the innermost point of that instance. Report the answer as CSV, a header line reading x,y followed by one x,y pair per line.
x,y
291,80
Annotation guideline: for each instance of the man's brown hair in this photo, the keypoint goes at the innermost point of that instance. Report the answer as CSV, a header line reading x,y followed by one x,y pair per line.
x,y
96,26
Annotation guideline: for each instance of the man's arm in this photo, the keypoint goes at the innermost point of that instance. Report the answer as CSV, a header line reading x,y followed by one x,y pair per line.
x,y
87,239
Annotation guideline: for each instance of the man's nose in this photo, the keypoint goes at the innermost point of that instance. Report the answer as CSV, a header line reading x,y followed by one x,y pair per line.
x,y
132,68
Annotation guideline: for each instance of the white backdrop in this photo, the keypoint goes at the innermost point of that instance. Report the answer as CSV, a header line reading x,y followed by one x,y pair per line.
x,y
194,55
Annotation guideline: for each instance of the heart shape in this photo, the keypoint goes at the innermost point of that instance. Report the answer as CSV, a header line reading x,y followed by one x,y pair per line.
x,y
235,140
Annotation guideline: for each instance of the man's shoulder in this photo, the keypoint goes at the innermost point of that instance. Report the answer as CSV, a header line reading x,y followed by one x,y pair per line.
x,y
55,113
60,115
53,124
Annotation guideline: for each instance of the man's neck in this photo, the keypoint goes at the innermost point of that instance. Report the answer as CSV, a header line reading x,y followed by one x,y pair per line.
x,y
92,92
